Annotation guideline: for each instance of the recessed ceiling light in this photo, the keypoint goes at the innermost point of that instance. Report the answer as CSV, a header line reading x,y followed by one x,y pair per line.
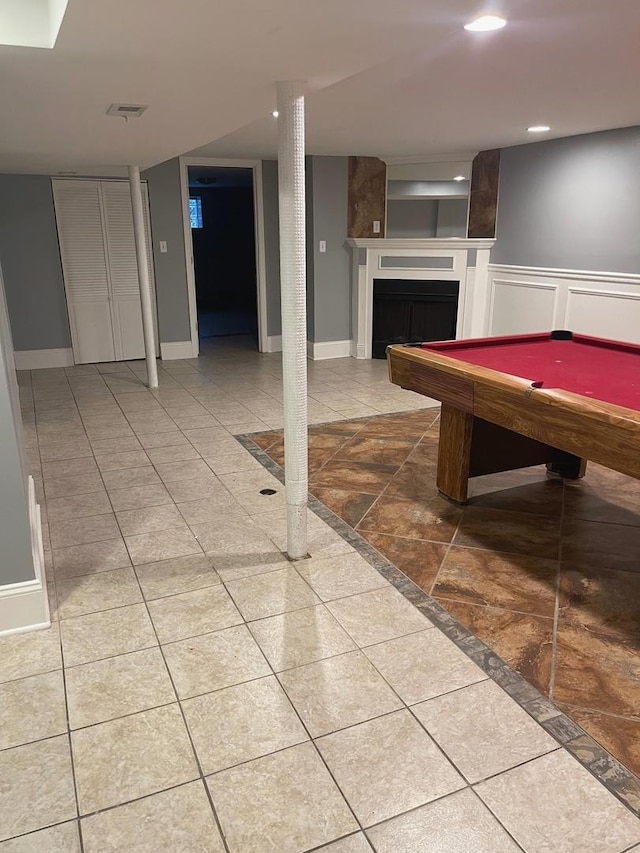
x,y
275,113
538,128
459,178
485,24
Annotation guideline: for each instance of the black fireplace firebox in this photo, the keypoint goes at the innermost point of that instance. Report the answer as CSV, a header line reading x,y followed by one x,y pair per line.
x,y
407,311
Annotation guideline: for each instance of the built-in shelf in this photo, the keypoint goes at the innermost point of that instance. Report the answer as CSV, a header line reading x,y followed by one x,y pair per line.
x,y
408,197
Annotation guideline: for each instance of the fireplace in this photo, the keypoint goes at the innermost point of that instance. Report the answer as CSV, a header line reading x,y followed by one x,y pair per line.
x,y
454,304
406,311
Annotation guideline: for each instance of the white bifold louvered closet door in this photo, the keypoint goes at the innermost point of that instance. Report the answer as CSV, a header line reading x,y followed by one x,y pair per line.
x,y
97,248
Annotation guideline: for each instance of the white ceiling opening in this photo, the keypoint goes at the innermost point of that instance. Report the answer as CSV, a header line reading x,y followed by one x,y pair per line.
x,y
31,23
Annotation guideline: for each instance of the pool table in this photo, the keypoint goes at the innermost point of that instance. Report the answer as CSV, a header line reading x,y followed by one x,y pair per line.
x,y
557,398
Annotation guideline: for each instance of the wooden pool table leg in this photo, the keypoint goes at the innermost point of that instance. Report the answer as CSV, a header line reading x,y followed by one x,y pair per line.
x,y
454,453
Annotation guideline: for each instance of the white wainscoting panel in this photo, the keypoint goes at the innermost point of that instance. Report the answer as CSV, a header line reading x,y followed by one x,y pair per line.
x,y
536,299
606,314
519,307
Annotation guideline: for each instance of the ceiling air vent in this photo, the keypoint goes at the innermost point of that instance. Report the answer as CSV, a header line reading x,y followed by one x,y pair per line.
x,y
126,110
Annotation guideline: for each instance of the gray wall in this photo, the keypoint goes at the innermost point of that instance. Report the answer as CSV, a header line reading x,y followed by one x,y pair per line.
x,y
30,256
31,263
328,274
571,203
16,560
272,244
427,217
170,267
331,269
412,218
310,238
452,217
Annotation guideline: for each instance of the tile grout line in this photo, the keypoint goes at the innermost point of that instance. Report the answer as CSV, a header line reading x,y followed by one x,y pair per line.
x,y
602,766
25,835
164,484
292,706
184,721
382,493
446,554
198,765
556,603
66,700
405,707
497,819
327,844
484,606
311,739
227,431
72,759
359,649
631,717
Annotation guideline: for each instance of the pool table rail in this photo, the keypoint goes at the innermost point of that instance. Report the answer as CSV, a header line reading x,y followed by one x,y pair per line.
x,y
492,421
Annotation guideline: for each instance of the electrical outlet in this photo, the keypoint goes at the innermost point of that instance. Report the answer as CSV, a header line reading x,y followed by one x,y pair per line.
x,y
376,226
163,246
322,246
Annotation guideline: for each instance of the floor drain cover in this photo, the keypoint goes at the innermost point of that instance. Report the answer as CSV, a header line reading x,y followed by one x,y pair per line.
x,y
267,491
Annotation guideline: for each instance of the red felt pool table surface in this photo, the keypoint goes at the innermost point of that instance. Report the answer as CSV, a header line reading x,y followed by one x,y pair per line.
x,y
596,368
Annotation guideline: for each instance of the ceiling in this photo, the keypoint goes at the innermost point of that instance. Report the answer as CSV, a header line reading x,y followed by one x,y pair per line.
x,y
398,80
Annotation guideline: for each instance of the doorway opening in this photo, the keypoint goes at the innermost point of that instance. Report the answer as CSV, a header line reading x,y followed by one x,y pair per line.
x,y
222,220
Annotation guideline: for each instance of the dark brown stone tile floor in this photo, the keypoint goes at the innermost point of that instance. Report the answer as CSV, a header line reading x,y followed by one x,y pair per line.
x,y
547,573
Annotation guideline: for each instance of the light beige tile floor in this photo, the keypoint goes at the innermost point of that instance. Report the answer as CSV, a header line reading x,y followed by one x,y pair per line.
x,y
201,694
400,661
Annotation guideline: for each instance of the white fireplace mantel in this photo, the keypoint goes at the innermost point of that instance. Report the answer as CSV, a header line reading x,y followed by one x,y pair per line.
x,y
452,259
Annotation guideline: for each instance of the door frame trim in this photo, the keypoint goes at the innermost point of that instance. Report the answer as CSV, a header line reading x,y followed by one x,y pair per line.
x,y
258,216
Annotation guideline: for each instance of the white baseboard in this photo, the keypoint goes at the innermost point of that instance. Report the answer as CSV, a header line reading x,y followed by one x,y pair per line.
x,y
315,351
35,526
24,606
176,349
358,351
273,343
33,359
321,350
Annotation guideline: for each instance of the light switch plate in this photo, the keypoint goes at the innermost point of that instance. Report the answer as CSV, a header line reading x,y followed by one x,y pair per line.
x,y
163,246
376,226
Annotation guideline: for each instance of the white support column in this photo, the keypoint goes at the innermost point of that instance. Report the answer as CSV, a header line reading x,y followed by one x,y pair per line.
x,y
294,311
144,282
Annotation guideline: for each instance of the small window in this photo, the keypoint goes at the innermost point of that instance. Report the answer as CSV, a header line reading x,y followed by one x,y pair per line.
x,y
195,211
